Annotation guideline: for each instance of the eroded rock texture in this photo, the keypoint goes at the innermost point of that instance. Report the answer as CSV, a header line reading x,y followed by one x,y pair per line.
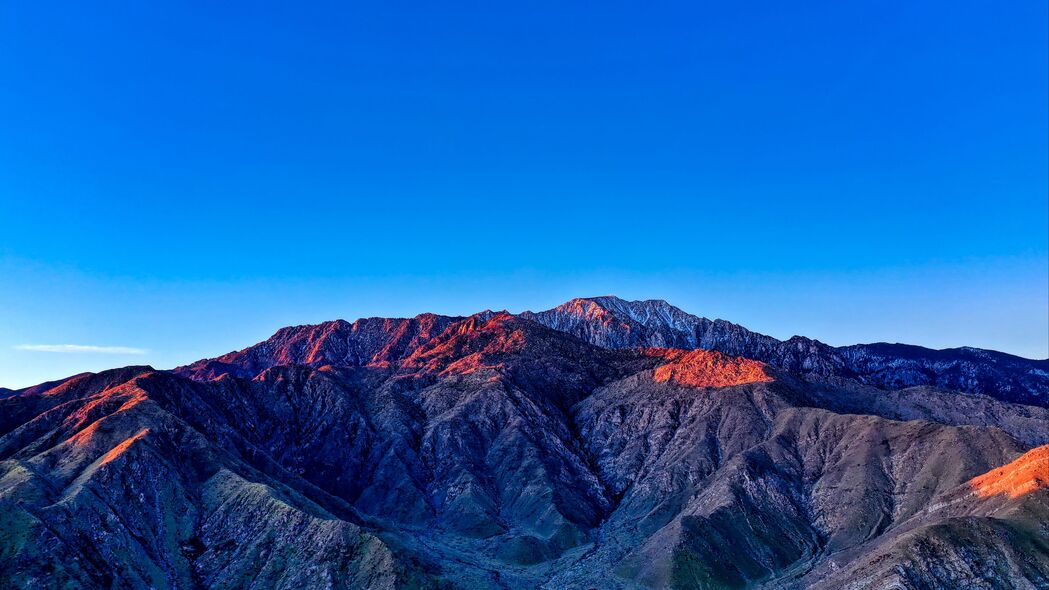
x,y
603,444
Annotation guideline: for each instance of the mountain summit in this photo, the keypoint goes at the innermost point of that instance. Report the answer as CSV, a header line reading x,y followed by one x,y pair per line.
x,y
599,444
615,323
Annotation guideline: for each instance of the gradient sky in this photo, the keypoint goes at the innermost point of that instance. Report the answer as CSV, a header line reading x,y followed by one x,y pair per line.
x,y
186,178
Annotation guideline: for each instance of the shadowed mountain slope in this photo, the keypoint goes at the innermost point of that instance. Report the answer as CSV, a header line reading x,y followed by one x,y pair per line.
x,y
496,452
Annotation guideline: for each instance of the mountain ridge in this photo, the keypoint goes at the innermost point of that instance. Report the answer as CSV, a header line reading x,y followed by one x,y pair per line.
x,y
494,451
611,322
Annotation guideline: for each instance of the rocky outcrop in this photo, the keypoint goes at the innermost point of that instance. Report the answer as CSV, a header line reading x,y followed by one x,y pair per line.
x,y
704,368
1026,475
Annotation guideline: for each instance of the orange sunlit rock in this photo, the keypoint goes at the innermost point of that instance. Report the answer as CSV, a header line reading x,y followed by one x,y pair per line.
x,y
706,368
1027,474
127,395
83,438
121,448
470,346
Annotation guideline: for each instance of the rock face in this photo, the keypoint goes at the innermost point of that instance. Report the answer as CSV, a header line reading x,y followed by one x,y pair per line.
x,y
365,341
501,451
704,368
1026,475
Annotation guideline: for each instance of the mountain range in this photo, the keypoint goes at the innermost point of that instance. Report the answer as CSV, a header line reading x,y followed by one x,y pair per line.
x,y
600,444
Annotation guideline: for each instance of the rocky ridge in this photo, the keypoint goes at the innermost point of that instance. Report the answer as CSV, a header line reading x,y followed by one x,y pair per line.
x,y
614,323
494,451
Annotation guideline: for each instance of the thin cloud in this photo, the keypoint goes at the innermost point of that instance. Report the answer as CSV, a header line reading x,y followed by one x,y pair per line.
x,y
81,348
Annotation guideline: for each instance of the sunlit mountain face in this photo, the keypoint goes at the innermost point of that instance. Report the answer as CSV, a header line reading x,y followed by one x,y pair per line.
x,y
600,444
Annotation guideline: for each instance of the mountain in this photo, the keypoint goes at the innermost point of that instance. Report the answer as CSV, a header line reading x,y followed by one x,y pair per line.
x,y
503,451
614,323
365,341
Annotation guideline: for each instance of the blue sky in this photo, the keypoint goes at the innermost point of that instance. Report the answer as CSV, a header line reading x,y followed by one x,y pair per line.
x,y
186,178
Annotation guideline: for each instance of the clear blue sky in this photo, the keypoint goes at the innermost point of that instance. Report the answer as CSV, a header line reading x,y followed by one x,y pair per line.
x,y
185,178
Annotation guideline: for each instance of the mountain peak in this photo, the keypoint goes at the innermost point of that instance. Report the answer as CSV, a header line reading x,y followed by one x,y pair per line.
x,y
608,321
613,322
644,311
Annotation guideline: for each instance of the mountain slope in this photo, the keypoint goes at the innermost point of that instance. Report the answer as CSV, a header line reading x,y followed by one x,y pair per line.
x,y
614,323
113,490
341,343
494,451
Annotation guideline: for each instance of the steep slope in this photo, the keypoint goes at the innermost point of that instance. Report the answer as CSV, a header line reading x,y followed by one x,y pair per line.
x,y
614,323
467,439
110,489
703,368
1026,475
364,342
989,532
495,452
732,487
610,322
